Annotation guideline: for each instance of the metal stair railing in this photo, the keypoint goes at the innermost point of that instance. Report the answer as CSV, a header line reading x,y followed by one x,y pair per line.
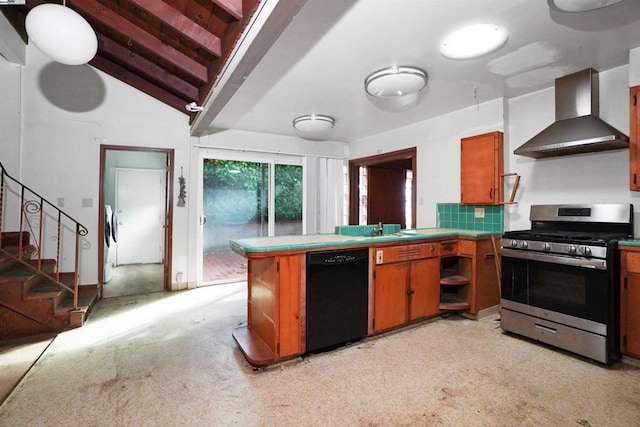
x,y
34,214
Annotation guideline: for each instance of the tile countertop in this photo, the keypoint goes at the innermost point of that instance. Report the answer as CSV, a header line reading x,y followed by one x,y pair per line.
x,y
631,242
318,241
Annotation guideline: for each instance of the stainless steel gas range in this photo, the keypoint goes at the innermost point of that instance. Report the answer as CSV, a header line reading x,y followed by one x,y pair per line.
x,y
560,279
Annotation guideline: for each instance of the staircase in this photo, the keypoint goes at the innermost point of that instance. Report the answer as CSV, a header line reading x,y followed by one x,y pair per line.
x,y
35,296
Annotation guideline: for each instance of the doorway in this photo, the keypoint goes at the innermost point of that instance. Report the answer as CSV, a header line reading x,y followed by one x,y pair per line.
x,y
243,197
135,193
382,188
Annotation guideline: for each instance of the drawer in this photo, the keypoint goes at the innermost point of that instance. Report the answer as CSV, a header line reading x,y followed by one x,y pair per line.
x,y
633,261
449,248
406,252
466,247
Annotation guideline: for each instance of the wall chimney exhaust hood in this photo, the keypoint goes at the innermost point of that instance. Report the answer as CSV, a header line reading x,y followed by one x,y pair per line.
x,y
577,128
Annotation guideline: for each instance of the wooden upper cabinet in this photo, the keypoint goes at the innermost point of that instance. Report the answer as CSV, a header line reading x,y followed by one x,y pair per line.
x,y
634,153
481,167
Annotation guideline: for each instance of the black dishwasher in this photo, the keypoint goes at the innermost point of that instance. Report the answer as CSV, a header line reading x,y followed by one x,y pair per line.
x,y
337,298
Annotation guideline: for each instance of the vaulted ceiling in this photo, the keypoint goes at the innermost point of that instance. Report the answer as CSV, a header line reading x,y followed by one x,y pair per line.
x,y
299,57
172,50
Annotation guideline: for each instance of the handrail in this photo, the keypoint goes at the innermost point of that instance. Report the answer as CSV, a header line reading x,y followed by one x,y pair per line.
x,y
34,212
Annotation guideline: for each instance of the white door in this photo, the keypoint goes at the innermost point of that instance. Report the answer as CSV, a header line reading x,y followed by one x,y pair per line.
x,y
140,216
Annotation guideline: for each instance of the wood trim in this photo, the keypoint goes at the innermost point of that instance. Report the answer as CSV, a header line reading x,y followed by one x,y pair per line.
x,y
168,232
407,153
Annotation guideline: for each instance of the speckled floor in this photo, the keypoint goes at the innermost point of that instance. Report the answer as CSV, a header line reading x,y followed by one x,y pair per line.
x,y
134,279
168,359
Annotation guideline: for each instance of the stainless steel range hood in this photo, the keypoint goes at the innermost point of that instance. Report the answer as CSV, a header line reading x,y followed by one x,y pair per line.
x,y
577,128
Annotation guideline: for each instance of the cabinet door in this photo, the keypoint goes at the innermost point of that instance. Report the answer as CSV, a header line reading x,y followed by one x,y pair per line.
x,y
631,315
289,327
390,305
481,164
634,124
424,288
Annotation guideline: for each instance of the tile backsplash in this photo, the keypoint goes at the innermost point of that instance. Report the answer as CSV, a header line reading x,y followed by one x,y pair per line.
x,y
455,215
365,230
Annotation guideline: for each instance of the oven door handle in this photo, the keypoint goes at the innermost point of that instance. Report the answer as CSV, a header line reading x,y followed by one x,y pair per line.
x,y
598,264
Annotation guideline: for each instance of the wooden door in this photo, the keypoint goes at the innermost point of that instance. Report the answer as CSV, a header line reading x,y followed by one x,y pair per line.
x,y
390,306
481,164
424,287
386,196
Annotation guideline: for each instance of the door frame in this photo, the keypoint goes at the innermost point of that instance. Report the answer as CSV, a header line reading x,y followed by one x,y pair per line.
x,y
355,164
168,226
243,156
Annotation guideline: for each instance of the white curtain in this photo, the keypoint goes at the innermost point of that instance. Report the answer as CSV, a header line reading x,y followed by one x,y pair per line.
x,y
324,194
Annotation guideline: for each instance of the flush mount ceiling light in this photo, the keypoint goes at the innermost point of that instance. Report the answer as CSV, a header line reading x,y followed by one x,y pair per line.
x,y
61,33
313,123
579,5
474,41
395,81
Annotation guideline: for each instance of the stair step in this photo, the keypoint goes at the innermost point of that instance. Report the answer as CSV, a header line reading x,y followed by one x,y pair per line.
x,y
87,296
43,289
11,239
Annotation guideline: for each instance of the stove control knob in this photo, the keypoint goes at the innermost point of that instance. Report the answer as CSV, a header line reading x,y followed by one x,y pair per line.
x,y
524,244
585,250
546,246
513,243
572,249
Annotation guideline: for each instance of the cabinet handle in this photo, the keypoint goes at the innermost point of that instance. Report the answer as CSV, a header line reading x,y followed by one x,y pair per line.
x,y
491,193
411,292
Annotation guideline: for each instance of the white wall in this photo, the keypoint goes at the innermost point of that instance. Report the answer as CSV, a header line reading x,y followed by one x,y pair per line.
x,y
10,133
438,151
581,178
67,113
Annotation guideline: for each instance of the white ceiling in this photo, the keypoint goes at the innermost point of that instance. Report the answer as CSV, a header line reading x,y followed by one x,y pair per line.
x,y
318,65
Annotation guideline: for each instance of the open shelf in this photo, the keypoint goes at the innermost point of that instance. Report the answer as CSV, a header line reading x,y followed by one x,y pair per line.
x,y
455,284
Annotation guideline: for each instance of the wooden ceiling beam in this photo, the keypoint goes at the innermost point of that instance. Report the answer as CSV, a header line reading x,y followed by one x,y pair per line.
x,y
115,70
147,68
233,7
176,20
117,23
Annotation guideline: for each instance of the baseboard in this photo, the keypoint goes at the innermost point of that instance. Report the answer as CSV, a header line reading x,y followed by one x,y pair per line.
x,y
483,314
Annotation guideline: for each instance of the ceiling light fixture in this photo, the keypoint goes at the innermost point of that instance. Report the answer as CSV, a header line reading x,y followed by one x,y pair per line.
x,y
474,41
61,33
313,123
395,81
579,5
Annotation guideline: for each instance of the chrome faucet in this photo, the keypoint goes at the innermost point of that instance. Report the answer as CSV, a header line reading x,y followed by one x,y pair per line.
x,y
378,229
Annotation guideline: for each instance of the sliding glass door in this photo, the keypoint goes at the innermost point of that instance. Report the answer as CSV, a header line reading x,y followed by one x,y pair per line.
x,y
236,203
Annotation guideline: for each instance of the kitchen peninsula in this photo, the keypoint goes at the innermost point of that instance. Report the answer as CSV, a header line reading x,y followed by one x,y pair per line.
x,y
410,276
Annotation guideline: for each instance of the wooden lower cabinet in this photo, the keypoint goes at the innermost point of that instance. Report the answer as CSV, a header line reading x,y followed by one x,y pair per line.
x,y
391,299
485,291
469,279
404,287
630,301
407,290
424,284
274,321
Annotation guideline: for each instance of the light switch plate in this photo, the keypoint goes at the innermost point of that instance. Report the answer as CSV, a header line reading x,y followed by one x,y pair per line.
x,y
479,213
379,256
